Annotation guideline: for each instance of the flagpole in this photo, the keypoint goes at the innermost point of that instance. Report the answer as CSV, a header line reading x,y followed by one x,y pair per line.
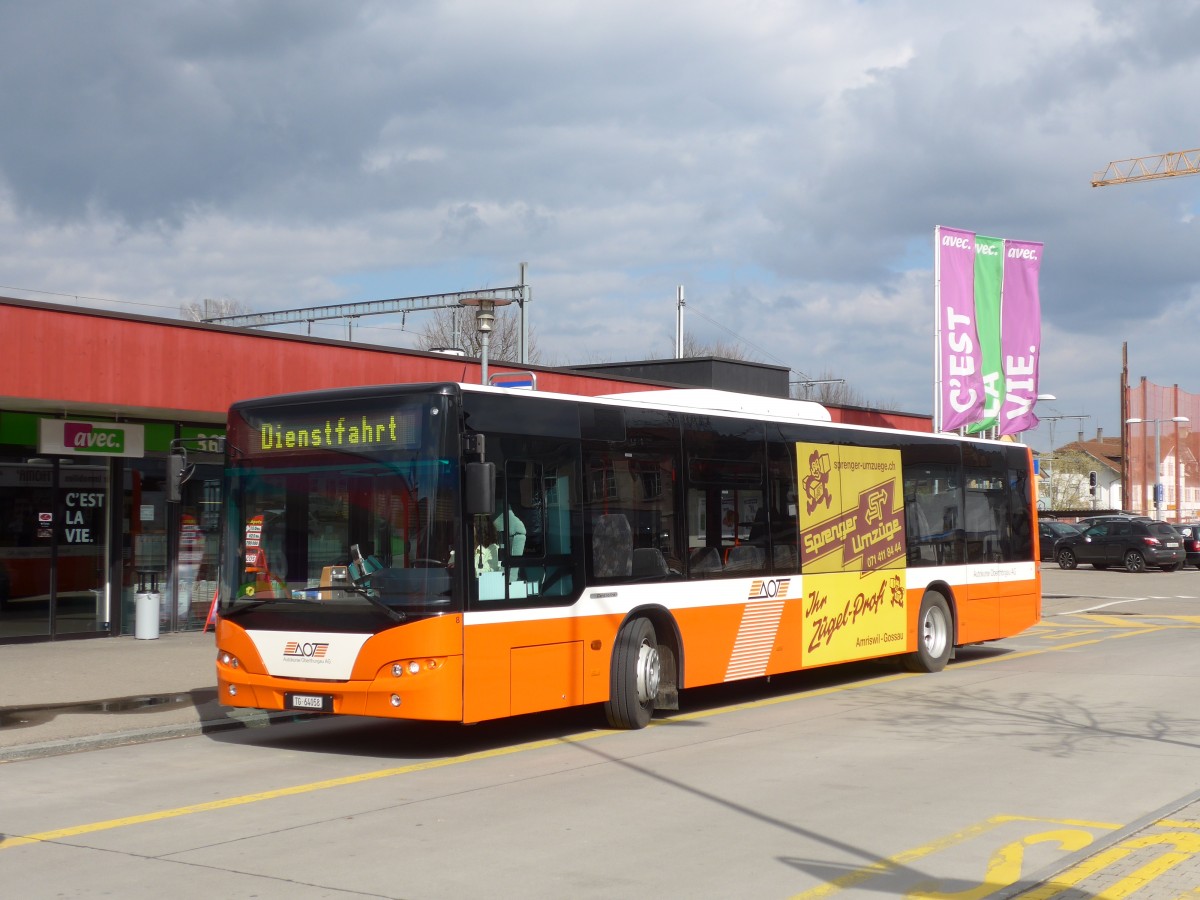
x,y
937,330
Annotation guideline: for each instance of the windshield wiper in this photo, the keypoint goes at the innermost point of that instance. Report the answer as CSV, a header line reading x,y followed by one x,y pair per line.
x,y
247,604
393,614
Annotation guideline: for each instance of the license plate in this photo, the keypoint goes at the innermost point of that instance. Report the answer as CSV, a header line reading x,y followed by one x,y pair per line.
x,y
1172,543
315,702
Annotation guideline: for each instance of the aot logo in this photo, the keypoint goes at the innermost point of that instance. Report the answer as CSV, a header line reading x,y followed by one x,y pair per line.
x,y
769,588
88,438
297,650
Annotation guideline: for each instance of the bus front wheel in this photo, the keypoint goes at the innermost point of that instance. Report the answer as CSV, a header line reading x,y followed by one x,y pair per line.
x,y
934,641
636,670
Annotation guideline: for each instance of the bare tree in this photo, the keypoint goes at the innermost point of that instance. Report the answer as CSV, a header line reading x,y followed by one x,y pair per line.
x,y
456,328
1067,480
209,308
722,349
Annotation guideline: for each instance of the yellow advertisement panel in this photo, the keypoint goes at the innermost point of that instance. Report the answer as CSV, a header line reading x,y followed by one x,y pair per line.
x,y
852,508
852,552
853,615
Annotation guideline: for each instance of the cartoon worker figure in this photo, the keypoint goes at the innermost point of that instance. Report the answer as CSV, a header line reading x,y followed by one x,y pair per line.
x,y
816,483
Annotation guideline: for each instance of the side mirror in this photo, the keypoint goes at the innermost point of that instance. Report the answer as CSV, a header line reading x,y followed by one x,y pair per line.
x,y
481,489
178,471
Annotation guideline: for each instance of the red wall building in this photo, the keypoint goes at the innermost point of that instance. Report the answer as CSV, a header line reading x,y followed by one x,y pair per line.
x,y
85,530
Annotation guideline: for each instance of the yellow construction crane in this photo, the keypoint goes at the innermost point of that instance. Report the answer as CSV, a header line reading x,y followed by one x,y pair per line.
x,y
1144,168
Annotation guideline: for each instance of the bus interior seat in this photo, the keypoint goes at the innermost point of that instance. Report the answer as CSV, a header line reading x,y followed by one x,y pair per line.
x,y
648,562
785,557
745,557
705,559
612,546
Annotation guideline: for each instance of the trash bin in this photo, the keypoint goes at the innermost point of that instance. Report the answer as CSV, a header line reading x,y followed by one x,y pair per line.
x,y
146,602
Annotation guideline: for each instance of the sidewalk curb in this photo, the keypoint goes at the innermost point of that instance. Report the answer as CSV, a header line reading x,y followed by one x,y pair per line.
x,y
231,721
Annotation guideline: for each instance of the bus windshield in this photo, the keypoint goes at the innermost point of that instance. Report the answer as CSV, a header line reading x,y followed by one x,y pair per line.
x,y
341,518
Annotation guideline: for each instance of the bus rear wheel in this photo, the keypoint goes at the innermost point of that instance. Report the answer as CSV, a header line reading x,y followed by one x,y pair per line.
x,y
934,642
636,671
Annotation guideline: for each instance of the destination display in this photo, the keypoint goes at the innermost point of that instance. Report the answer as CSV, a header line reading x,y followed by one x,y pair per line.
x,y
357,431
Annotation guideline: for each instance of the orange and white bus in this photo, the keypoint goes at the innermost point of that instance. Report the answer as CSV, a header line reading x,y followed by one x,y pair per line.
x,y
461,553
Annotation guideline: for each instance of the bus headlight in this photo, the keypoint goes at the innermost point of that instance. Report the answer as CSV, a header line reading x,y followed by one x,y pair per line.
x,y
413,667
227,659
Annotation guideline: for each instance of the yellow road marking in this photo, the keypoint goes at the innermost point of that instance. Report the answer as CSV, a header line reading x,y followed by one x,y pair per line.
x,y
295,790
1122,621
883,866
1074,645
1186,844
1133,621
91,828
1004,868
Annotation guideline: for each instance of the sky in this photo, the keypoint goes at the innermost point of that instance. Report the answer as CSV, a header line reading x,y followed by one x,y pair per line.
x,y
785,162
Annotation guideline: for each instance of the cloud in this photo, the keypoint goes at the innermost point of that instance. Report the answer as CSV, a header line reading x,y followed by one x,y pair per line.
x,y
786,163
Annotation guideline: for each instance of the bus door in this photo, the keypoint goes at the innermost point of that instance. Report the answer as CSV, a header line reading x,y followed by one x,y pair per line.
x,y
524,557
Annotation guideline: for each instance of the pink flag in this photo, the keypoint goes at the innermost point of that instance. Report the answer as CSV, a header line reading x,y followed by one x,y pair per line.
x,y
960,379
1020,335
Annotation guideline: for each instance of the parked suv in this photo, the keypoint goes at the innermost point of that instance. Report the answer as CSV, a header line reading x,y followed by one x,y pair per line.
x,y
1191,541
1088,522
1050,532
1123,542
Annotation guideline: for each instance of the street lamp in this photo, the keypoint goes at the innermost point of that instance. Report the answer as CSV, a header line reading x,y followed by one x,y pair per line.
x,y
485,321
1158,486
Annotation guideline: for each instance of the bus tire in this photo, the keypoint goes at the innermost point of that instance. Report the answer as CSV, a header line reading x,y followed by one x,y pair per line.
x,y
636,670
934,640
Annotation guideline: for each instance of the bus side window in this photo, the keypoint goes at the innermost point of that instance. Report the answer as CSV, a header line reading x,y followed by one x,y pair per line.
x,y
727,492
536,522
781,505
1019,505
986,496
932,500
630,513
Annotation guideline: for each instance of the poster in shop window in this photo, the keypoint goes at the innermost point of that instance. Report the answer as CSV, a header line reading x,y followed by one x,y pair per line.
x,y
852,551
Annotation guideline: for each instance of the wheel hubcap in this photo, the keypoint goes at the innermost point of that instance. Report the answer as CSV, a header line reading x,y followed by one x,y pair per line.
x,y
934,632
649,670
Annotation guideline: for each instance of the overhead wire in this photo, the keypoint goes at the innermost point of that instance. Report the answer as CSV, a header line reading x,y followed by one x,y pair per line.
x,y
693,311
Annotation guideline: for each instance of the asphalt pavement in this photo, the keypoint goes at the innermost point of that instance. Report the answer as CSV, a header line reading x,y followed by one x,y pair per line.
x,y
65,696
68,696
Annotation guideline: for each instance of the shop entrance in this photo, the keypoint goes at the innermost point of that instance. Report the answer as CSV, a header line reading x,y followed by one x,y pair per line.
x,y
170,548
54,539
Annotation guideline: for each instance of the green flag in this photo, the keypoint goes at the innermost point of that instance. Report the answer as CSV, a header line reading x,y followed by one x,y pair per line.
x,y
989,276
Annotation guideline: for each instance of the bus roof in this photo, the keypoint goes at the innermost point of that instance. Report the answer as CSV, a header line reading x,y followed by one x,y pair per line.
x,y
728,401
681,399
